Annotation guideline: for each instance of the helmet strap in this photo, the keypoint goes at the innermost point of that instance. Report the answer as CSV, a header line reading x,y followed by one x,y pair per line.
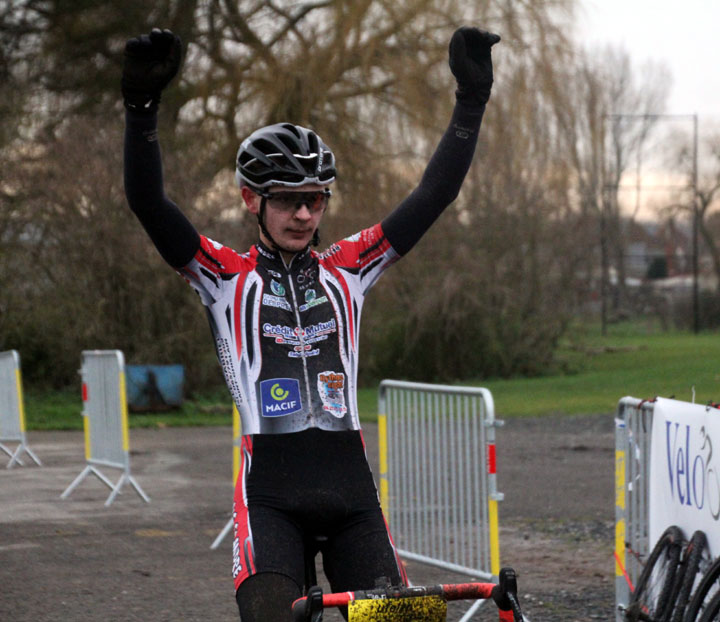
x,y
261,222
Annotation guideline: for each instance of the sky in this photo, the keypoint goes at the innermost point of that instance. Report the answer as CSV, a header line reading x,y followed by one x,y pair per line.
x,y
683,34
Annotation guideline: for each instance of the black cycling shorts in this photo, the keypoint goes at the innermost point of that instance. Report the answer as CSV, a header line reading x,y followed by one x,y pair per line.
x,y
310,490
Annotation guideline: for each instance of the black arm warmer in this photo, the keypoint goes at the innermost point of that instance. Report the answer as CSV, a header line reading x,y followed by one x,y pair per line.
x,y
440,183
168,228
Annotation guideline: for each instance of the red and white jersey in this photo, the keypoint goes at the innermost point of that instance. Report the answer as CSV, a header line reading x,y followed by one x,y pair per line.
x,y
287,335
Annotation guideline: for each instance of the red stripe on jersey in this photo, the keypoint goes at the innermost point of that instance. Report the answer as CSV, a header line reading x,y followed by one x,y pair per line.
x,y
373,252
222,259
351,254
400,564
207,256
243,554
348,303
237,306
356,253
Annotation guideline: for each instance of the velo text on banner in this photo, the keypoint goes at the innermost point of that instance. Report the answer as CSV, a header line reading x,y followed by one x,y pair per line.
x,y
685,470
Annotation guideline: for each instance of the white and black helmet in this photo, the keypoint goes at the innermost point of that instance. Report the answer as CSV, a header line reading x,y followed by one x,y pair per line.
x,y
284,155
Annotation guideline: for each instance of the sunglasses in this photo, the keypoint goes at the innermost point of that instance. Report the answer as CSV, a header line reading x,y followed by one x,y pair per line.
x,y
316,200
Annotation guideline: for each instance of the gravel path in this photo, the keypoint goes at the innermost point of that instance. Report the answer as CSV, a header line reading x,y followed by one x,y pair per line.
x,y
76,560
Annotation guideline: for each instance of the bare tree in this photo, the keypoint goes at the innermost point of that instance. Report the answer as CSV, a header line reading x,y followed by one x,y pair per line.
x,y
704,205
370,76
606,112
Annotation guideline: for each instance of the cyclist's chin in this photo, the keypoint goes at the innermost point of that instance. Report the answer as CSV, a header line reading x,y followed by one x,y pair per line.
x,y
296,241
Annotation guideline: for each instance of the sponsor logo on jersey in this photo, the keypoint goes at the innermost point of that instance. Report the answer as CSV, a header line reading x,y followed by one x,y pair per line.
x,y
236,565
280,397
277,288
297,335
299,353
330,251
276,301
264,253
331,387
306,277
311,300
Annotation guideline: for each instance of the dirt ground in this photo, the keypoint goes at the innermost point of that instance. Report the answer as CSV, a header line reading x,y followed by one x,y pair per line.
x,y
75,559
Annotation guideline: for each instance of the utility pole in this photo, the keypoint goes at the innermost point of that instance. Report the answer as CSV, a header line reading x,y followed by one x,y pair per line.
x,y
695,228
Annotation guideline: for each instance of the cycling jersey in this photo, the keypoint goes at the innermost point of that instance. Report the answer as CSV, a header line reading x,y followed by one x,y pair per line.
x,y
287,335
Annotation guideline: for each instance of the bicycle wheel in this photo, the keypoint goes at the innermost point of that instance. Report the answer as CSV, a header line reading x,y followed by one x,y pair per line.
x,y
693,555
651,597
712,611
706,589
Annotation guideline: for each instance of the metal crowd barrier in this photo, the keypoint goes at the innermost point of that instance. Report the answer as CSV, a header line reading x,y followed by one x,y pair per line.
x,y
438,477
105,421
12,410
633,433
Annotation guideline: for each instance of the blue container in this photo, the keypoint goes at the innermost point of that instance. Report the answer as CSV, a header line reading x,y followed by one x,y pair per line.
x,y
154,387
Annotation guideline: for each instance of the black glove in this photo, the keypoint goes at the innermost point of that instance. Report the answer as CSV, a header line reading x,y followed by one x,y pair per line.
x,y
471,64
151,62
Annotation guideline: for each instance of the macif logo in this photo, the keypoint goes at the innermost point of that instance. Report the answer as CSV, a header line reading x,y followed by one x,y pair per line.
x,y
280,396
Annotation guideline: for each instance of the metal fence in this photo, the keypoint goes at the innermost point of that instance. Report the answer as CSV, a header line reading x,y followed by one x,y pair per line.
x,y
12,410
633,432
105,421
438,476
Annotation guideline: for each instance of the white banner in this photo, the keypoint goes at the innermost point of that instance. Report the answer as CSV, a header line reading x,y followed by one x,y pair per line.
x,y
685,470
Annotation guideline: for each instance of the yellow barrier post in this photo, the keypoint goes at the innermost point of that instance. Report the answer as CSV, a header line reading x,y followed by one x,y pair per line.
x,y
620,504
384,487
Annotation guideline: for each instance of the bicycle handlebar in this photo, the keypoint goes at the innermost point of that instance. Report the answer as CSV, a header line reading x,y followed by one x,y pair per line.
x,y
309,608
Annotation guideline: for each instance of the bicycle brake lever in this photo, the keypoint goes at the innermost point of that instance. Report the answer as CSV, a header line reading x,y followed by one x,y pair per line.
x,y
315,604
505,593
508,581
508,587
310,608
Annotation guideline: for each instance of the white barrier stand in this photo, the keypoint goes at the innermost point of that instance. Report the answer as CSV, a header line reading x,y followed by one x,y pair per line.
x,y
438,476
237,440
12,410
633,426
105,421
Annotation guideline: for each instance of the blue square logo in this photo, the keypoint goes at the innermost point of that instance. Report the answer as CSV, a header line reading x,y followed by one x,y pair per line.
x,y
280,397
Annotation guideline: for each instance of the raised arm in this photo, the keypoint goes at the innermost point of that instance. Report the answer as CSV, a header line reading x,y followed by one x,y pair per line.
x,y
471,64
151,61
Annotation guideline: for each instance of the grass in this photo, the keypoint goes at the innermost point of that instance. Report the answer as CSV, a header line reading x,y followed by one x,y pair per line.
x,y
633,359
661,365
60,410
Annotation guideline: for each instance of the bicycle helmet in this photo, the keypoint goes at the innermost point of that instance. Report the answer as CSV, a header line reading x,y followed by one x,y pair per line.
x,y
284,154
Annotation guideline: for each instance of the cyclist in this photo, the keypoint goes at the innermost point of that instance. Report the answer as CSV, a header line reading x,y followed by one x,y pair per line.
x,y
285,321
